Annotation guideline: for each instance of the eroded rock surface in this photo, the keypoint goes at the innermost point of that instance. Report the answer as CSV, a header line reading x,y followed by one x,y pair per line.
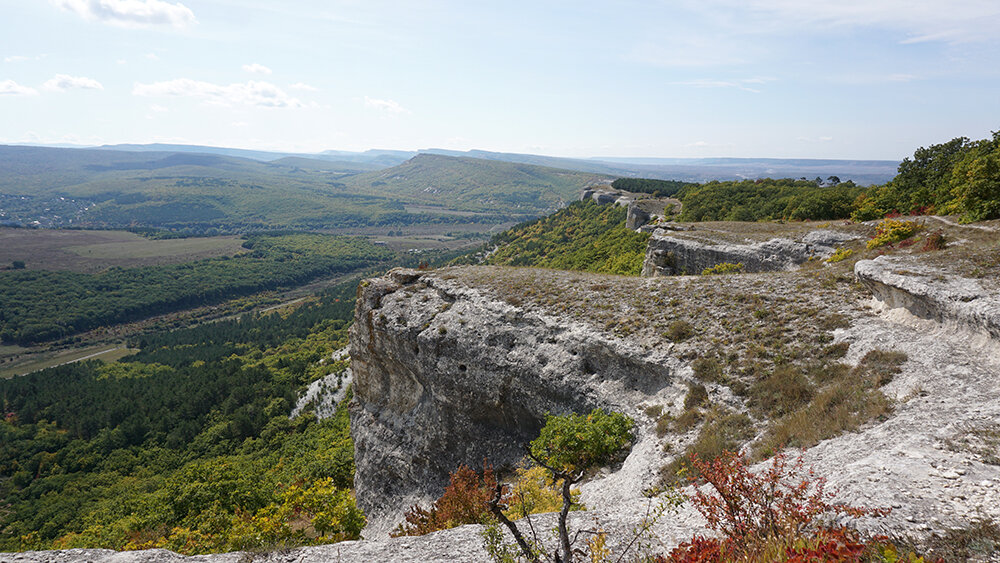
x,y
930,293
445,376
670,255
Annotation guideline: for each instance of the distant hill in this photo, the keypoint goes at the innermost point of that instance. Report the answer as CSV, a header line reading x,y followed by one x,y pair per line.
x,y
201,191
476,184
862,172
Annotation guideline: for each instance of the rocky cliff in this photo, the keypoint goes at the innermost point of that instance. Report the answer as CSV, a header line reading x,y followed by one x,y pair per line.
x,y
670,253
446,375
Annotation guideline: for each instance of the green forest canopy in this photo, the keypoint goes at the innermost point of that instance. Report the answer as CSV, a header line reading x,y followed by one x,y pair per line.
x,y
43,305
187,445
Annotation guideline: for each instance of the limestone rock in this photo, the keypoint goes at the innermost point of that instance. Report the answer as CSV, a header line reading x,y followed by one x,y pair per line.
x,y
901,282
444,376
668,255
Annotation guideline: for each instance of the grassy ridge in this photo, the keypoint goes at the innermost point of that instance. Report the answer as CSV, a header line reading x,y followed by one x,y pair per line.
x,y
201,192
475,184
584,236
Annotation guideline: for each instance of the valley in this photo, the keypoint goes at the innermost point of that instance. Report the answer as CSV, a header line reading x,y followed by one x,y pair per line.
x,y
168,363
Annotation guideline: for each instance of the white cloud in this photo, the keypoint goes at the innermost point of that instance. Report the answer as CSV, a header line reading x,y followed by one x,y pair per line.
x,y
9,87
738,84
252,93
256,68
152,56
923,20
388,106
131,13
63,82
157,108
304,87
22,58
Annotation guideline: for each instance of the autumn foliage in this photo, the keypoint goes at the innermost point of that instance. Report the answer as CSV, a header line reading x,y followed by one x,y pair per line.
x,y
781,514
465,501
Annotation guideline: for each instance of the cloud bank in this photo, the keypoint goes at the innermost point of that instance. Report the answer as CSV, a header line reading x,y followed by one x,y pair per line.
x,y
388,106
63,82
11,88
251,93
131,13
256,68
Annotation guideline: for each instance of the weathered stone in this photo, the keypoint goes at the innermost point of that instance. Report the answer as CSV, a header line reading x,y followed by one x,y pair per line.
x,y
929,293
444,377
668,255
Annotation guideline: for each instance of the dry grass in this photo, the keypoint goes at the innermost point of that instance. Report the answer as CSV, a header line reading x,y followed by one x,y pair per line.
x,y
94,251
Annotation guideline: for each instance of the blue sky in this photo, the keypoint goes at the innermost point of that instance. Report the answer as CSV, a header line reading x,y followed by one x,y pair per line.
x,y
864,79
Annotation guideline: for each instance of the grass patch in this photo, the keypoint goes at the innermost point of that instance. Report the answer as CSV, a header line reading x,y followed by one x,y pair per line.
x,y
978,541
722,431
679,331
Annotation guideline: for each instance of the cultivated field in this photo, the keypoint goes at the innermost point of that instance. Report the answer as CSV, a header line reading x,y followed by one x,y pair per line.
x,y
93,251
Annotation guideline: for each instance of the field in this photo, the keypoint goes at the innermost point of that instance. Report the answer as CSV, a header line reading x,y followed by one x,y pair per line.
x,y
94,251
105,353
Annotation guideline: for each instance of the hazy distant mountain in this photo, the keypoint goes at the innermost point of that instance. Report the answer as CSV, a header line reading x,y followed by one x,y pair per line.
x,y
201,191
687,169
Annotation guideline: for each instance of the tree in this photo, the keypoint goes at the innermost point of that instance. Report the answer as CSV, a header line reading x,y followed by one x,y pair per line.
x,y
17,264
569,446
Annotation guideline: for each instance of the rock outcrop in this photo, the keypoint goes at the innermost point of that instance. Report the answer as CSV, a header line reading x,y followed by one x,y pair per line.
x,y
444,376
929,293
670,255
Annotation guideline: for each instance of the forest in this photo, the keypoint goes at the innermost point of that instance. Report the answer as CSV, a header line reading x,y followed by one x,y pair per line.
x,y
42,305
959,177
187,445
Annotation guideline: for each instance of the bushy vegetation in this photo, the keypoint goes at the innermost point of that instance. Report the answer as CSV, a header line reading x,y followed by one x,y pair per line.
x,y
890,231
45,305
658,188
767,199
187,445
782,514
584,236
957,177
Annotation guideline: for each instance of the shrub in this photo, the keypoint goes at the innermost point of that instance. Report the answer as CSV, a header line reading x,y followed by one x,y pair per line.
x,y
934,241
782,392
771,516
723,268
465,501
535,491
889,231
707,368
697,394
679,331
840,254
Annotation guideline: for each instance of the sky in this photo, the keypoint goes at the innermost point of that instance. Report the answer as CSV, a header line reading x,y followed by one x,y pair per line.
x,y
854,79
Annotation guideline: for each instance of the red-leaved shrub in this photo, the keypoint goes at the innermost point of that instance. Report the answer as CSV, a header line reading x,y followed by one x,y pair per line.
x,y
771,516
465,501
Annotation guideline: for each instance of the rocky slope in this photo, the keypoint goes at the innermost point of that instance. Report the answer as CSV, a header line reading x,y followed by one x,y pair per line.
x,y
454,365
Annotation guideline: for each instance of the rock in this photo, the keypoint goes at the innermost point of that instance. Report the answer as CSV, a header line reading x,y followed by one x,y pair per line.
x,y
668,255
928,293
444,376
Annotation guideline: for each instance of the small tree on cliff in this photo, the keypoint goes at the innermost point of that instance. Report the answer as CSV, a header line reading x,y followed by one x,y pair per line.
x,y
569,446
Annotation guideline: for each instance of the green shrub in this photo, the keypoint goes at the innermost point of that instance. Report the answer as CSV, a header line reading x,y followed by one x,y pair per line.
x,y
890,231
840,254
723,268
